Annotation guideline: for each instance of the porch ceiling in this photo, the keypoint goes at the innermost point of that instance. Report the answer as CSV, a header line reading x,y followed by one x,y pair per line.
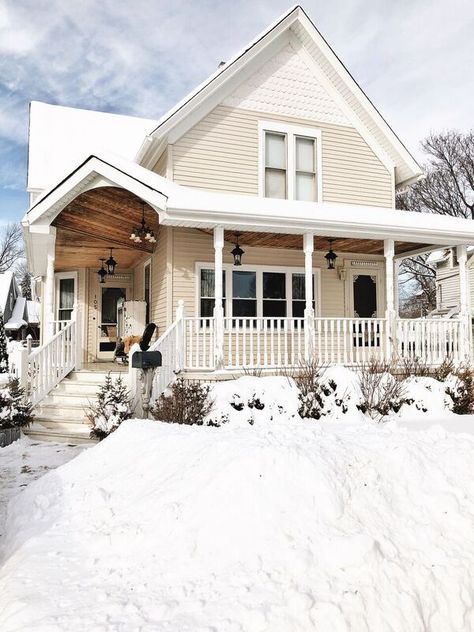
x,y
97,220
295,242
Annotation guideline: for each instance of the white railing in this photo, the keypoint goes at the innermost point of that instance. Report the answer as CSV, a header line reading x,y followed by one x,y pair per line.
x,y
49,364
431,340
263,342
59,324
199,339
349,340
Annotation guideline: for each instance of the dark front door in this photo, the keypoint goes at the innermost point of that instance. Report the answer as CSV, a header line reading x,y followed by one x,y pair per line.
x,y
365,296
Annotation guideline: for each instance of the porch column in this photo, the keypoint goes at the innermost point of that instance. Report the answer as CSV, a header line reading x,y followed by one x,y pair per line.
x,y
389,253
78,350
465,337
48,313
308,247
218,307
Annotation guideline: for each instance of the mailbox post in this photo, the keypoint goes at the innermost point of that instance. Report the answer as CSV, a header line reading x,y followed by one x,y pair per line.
x,y
146,362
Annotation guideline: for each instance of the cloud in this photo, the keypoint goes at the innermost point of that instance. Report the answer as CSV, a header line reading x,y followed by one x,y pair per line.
x,y
412,57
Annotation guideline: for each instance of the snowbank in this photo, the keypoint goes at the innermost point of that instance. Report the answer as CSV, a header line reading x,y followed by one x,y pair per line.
x,y
283,526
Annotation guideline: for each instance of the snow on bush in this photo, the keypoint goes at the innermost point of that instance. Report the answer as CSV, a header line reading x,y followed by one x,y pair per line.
x,y
113,406
15,411
280,526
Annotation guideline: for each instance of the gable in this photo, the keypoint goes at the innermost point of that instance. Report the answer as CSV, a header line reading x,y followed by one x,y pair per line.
x,y
286,85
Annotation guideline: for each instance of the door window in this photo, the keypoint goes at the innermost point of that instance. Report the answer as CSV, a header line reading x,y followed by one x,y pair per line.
x,y
108,326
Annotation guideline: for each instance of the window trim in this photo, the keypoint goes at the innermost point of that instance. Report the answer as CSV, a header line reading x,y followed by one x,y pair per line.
x,y
58,276
292,132
259,269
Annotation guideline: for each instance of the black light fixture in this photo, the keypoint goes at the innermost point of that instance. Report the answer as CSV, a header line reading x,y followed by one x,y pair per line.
x,y
331,256
143,232
102,272
111,263
237,252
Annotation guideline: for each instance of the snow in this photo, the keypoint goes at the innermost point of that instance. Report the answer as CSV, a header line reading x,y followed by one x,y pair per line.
x,y
23,462
16,321
282,525
33,312
61,138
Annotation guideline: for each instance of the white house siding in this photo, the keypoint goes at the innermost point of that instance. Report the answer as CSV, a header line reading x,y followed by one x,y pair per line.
x,y
448,278
221,153
160,282
192,246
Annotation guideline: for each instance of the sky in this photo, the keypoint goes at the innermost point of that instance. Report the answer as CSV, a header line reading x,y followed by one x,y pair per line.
x,y
413,58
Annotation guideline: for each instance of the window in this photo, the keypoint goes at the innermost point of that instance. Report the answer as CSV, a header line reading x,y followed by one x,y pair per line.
x,y
290,162
207,292
244,294
274,294
298,303
66,298
275,165
147,290
305,174
256,291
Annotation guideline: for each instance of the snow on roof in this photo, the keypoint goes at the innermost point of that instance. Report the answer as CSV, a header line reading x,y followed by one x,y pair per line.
x,y
5,283
17,318
33,312
62,137
437,255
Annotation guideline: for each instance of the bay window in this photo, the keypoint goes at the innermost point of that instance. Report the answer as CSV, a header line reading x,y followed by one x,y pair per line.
x,y
290,160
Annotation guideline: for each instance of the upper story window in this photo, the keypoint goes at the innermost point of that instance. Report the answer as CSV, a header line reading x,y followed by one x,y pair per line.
x,y
290,162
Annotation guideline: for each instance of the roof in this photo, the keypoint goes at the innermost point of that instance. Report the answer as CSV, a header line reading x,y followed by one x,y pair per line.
x,y
61,137
17,320
295,27
185,206
6,279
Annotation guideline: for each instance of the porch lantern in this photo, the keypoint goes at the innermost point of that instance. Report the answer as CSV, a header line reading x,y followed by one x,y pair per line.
x,y
111,264
237,252
331,256
143,232
102,272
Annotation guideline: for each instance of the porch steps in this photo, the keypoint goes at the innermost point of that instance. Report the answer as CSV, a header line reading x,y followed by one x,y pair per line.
x,y
61,415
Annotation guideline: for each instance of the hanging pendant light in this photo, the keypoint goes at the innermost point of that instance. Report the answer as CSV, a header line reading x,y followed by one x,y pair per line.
x,y
237,252
111,263
143,232
102,272
331,256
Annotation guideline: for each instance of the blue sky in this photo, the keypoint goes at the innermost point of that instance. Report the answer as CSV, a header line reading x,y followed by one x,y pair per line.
x,y
412,57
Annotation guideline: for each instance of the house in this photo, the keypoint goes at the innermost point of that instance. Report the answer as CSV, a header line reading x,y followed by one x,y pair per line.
x,y
447,281
255,221
20,316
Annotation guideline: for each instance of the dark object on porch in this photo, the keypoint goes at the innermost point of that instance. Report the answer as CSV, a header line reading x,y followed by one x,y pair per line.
x,y
120,349
147,336
146,359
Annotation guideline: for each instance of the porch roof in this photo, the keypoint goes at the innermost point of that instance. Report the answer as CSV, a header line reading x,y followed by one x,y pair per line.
x,y
178,205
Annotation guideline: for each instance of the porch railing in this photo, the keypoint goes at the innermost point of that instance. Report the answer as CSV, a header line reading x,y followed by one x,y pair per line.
x,y
432,340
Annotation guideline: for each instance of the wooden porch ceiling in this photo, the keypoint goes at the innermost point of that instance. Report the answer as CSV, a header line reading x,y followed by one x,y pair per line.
x,y
98,220
295,242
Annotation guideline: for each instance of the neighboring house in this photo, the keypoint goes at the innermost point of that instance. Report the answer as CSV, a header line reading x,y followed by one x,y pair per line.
x,y
448,298
278,154
20,317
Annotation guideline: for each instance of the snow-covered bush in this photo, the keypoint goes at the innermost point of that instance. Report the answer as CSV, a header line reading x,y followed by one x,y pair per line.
x,y
3,346
187,403
412,367
112,407
461,389
15,410
381,393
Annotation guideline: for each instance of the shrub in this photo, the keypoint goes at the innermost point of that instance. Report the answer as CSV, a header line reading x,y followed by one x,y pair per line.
x,y
15,410
316,395
188,403
444,370
113,406
381,392
462,391
415,367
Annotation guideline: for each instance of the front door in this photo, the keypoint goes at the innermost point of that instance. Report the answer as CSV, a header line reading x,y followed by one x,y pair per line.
x,y
364,295
107,309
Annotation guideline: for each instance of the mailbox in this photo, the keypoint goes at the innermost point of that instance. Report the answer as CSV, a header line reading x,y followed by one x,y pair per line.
x,y
146,359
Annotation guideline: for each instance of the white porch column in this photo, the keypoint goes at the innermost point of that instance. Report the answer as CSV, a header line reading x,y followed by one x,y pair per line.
x,y
218,307
78,349
389,253
464,342
308,247
48,314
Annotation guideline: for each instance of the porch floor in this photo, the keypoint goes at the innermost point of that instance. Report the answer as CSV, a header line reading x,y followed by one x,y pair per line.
x,y
104,367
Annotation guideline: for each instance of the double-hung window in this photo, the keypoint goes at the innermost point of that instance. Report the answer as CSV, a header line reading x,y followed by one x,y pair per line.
x,y
66,289
290,159
207,292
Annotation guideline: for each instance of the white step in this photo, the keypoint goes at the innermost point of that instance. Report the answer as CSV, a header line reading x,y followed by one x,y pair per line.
x,y
68,399
73,387
94,377
64,433
61,413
